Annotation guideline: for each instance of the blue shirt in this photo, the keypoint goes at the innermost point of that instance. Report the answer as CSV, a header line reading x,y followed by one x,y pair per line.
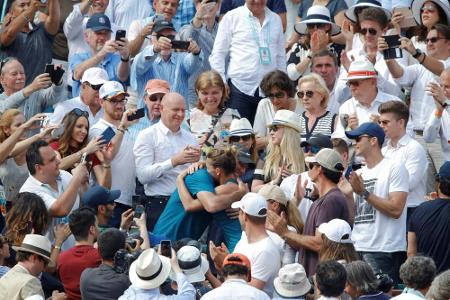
x,y
141,125
185,13
176,70
110,64
175,222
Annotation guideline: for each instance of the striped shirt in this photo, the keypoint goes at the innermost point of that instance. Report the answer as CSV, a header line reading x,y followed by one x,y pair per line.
x,y
323,124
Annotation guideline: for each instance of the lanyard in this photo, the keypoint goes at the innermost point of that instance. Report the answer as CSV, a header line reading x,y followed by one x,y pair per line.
x,y
255,32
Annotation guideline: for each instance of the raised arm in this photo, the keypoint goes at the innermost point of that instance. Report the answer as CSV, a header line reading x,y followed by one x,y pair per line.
x,y
54,15
10,31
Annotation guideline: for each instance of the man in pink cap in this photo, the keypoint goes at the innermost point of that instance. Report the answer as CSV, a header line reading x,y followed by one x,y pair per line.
x,y
154,91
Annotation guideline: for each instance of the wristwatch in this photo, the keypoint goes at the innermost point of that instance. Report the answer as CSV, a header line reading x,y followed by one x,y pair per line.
x,y
417,54
365,194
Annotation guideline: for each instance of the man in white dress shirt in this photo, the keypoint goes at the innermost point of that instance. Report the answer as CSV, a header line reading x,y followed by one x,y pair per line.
x,y
88,100
400,146
161,153
252,37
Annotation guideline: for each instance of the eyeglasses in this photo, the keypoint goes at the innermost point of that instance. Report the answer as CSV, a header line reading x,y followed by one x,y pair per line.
x,y
433,40
275,95
428,8
79,113
170,37
362,136
302,94
115,103
371,31
312,149
236,139
95,87
318,25
156,97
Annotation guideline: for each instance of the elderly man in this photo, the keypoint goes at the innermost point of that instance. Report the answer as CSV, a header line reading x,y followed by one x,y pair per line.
x,y
31,99
88,100
31,43
111,55
252,37
161,152
160,60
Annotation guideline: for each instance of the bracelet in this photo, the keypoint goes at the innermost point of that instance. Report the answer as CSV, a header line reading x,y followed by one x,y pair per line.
x,y
125,59
57,247
424,56
106,166
121,130
438,114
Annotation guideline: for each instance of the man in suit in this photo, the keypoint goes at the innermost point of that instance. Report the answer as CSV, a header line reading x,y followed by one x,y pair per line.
x,y
22,280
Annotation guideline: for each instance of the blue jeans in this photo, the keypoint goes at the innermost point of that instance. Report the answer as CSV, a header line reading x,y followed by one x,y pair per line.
x,y
385,262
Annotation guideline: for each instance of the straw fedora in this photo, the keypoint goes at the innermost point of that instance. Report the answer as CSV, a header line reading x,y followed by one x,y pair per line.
x,y
287,118
351,15
416,6
240,127
361,69
37,244
316,14
150,270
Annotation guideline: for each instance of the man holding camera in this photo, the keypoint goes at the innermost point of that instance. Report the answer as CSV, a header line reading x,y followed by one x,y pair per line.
x,y
22,38
111,55
159,60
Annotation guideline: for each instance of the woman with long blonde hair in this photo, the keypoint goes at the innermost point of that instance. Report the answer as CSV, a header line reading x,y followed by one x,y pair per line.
x,y
284,154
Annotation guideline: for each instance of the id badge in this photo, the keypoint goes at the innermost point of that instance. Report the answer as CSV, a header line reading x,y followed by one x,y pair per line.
x,y
264,55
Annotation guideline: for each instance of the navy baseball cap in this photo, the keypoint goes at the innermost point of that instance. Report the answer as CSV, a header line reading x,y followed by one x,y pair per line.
x,y
319,140
160,25
98,22
444,171
369,128
98,195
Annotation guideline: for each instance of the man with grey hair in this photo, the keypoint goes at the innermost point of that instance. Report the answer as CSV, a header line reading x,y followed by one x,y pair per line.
x,y
440,287
417,273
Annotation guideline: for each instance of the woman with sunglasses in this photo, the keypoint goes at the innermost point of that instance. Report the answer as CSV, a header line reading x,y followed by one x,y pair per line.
x,y
210,120
314,94
73,144
280,93
13,147
284,156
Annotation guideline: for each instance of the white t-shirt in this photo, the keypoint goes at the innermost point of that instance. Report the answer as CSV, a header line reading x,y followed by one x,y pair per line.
x,y
287,253
374,231
123,169
264,257
289,185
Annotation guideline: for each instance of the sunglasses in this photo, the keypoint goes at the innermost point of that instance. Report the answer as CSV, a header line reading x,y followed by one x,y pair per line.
x,y
371,31
95,87
355,83
3,62
80,113
156,97
274,128
428,8
312,149
236,139
433,40
359,138
170,37
276,95
312,165
302,94
318,25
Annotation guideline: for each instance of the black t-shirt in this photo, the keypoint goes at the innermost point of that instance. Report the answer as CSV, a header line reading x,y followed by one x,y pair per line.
x,y
332,205
431,224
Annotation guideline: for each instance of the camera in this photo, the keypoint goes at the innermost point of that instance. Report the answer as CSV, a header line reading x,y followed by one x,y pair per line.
x,y
123,260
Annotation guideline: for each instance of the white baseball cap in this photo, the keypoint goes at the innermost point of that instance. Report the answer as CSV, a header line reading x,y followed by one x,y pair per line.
x,y
110,89
95,76
252,204
337,230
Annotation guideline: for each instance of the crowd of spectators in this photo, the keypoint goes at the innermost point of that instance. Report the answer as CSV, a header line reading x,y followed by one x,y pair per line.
x,y
224,149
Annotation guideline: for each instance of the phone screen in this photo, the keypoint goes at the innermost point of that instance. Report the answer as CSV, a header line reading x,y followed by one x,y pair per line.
x,y
166,248
183,45
120,34
138,211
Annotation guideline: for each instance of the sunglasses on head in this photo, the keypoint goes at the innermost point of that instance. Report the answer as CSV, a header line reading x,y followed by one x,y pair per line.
x,y
3,62
433,40
79,112
95,87
318,25
371,31
236,139
302,94
275,95
312,149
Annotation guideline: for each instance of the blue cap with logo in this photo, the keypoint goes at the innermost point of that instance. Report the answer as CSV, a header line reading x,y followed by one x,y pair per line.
x,y
98,22
369,128
444,171
98,195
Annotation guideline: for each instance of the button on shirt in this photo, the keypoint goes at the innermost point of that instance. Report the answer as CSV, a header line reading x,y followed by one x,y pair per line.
x,y
122,166
412,154
153,150
63,108
235,289
235,38
50,196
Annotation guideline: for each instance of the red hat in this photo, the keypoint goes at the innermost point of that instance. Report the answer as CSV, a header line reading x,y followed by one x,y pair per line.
x,y
238,259
157,86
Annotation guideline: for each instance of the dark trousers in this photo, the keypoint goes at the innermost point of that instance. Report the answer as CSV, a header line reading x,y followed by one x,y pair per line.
x,y
154,206
245,104
117,214
385,262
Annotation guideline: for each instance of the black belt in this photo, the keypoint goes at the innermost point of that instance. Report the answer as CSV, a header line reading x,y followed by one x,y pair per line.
x,y
155,198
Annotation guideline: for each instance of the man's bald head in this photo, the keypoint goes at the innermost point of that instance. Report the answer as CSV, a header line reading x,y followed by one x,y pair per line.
x,y
445,82
172,110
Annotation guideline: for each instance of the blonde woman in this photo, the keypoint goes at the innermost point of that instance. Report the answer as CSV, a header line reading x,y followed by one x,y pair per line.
x,y
314,94
284,155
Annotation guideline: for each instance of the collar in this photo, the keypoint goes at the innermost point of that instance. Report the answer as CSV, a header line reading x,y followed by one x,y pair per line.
x,y
236,280
107,123
328,298
37,182
165,130
250,14
378,99
160,60
412,291
403,141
